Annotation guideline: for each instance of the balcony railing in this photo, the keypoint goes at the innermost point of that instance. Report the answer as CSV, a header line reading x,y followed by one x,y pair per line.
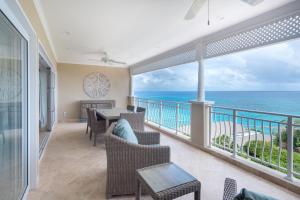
x,y
270,139
174,116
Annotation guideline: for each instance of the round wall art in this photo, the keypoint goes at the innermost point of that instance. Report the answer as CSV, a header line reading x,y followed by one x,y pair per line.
x,y
96,85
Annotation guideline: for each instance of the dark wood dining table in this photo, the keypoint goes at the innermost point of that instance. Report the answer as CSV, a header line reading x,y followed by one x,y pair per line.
x,y
111,114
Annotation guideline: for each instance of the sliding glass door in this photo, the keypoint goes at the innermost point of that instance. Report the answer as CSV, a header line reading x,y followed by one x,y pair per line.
x,y
13,112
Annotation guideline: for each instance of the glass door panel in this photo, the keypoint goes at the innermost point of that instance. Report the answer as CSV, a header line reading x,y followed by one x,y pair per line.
x,y
13,112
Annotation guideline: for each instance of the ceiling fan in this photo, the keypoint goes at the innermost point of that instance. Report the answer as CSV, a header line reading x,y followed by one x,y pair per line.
x,y
198,4
106,59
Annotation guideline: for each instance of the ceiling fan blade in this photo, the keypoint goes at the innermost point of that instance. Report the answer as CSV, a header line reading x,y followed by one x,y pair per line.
x,y
117,62
194,9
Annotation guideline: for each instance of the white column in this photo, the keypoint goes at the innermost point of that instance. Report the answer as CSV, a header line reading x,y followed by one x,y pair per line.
x,y
131,92
131,85
201,82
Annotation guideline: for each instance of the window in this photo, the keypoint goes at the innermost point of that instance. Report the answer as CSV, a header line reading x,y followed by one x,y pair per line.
x,y
13,112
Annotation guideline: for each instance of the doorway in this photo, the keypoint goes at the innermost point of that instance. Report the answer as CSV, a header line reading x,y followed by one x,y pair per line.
x,y
46,102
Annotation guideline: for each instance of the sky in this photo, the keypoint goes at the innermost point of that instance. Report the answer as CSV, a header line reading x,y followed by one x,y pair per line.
x,y
271,68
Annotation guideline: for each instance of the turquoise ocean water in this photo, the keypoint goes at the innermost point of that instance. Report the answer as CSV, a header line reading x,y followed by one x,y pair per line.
x,y
269,101
281,102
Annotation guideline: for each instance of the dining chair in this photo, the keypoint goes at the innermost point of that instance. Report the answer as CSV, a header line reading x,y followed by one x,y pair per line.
x,y
97,126
140,109
88,124
136,120
130,107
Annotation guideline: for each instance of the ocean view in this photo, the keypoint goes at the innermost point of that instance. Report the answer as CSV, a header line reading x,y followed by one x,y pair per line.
x,y
284,102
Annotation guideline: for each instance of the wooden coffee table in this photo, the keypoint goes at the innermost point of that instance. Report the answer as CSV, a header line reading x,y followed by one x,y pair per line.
x,y
167,181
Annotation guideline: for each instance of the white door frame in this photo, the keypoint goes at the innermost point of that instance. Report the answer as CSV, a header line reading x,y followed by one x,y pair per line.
x,y
14,12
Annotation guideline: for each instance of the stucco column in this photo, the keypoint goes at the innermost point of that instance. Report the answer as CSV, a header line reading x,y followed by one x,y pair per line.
x,y
201,82
200,123
131,92
131,85
200,109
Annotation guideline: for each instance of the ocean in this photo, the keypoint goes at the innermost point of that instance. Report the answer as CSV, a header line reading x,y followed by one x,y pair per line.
x,y
284,102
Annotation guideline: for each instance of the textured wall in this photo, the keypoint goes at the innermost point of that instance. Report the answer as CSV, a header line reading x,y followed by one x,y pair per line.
x,y
70,87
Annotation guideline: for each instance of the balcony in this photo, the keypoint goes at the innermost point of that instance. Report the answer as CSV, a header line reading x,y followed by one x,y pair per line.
x,y
60,57
263,141
72,168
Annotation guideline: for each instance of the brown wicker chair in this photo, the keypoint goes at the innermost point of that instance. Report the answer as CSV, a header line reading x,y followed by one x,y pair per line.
x,y
230,189
124,158
136,120
97,126
88,123
131,108
140,109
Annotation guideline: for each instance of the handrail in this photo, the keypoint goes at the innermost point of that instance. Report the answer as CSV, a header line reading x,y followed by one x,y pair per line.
x,y
257,111
166,101
229,130
168,114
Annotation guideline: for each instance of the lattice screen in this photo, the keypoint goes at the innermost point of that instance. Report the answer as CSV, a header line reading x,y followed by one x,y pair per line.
x,y
276,29
279,30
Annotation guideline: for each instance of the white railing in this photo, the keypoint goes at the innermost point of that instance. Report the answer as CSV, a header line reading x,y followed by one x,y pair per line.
x,y
174,116
270,139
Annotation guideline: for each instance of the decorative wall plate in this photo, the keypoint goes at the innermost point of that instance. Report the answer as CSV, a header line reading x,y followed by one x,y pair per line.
x,y
96,85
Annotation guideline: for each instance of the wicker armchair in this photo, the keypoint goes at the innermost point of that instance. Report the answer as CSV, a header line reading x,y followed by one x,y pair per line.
x,y
97,126
124,158
136,120
230,189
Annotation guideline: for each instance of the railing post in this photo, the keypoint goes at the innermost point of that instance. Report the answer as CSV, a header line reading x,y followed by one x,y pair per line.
x,y
234,133
147,111
209,126
290,150
160,113
177,116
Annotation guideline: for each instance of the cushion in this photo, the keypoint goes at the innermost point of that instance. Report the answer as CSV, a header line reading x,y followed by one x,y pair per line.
x,y
124,130
248,195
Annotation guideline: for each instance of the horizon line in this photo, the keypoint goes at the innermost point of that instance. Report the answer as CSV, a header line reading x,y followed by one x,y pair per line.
x,y
218,91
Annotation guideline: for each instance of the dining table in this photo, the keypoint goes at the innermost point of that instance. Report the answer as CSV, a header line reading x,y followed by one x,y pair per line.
x,y
111,114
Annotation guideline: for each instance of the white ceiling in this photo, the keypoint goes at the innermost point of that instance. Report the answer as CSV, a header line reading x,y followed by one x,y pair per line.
x,y
134,30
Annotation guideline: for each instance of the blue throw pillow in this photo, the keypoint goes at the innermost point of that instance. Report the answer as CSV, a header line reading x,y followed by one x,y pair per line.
x,y
248,195
124,130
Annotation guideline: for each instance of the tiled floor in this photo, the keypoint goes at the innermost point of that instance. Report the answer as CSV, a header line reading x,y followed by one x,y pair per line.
x,y
71,168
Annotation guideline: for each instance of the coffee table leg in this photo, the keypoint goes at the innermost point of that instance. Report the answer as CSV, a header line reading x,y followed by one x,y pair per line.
x,y
138,191
197,195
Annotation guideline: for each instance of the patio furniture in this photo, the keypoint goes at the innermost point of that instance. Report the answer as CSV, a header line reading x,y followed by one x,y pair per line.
x,y
230,189
124,158
88,124
140,109
167,181
136,120
111,114
97,126
96,104
131,108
